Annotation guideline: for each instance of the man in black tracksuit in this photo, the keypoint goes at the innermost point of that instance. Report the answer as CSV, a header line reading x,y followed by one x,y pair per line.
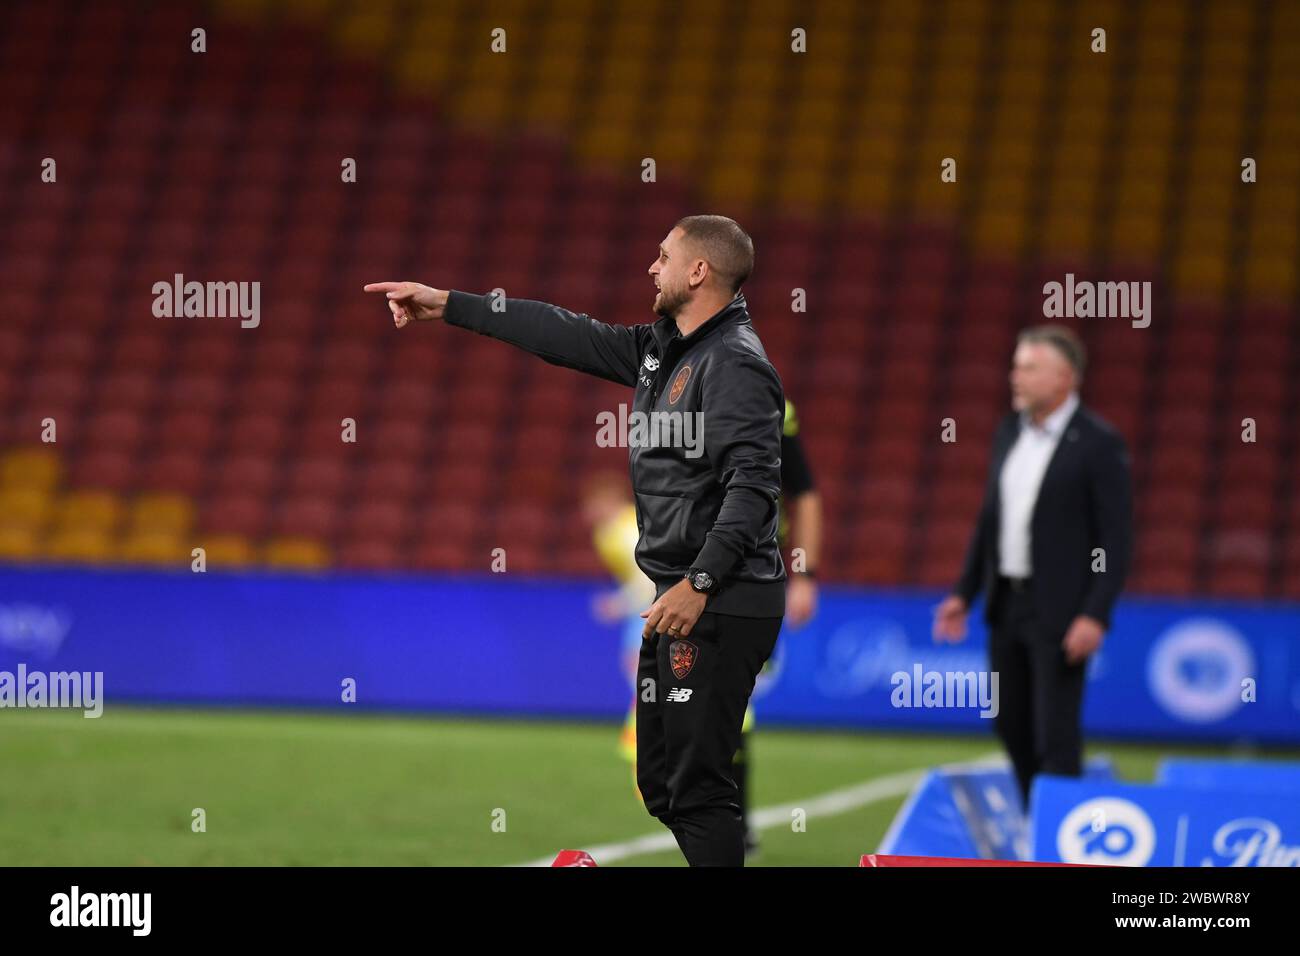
x,y
706,510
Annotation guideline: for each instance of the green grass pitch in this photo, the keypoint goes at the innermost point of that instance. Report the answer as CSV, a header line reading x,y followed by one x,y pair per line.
x,y
294,788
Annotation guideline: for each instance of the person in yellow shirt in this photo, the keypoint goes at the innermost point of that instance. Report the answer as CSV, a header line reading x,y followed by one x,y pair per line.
x,y
611,514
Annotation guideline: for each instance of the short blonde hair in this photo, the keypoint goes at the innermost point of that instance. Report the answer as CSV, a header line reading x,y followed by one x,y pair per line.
x,y
724,246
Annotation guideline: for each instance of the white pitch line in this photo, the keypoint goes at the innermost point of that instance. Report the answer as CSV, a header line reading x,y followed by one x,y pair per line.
x,y
824,805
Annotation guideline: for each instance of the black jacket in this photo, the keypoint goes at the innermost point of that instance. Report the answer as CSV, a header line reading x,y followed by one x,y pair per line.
x,y
713,508
1084,502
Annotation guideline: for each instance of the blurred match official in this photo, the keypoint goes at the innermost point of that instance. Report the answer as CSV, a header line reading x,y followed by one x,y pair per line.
x,y
802,524
609,511
708,515
1049,554
801,534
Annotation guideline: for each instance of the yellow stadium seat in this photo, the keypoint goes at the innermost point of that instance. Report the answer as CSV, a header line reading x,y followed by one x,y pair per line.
x,y
802,188
419,71
1271,276
1074,190
1000,231
156,548
1004,194
557,99
1011,156
1137,233
366,31
888,83
1201,273
440,17
952,120
749,112
224,551
30,468
1067,232
741,184
17,543
606,142
295,553
869,187
1272,236
755,77
24,507
1144,172
162,513
743,148
552,107
675,146
89,510
79,545
883,119
821,115
1206,228
822,81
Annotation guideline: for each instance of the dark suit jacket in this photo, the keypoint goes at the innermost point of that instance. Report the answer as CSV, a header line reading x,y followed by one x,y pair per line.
x,y
1084,502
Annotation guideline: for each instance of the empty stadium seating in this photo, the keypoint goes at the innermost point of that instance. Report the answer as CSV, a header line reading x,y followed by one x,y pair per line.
x,y
522,171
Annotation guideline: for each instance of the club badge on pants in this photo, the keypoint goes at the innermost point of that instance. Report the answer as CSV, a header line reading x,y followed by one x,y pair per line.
x,y
682,656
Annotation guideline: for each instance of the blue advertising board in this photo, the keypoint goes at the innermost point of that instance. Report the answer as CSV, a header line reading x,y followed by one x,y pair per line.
x,y
961,812
1086,821
968,811
508,644
1241,775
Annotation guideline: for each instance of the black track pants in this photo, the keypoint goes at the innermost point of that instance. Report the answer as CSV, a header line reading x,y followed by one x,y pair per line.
x,y
691,698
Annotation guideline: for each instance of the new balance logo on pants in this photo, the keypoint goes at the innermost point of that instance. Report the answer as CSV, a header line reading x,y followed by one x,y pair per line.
x,y
679,695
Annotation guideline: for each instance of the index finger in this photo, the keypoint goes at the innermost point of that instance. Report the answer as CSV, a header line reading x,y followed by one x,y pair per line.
x,y
382,287
652,615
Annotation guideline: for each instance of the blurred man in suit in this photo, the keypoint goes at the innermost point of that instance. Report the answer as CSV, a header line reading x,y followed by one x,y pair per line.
x,y
1050,552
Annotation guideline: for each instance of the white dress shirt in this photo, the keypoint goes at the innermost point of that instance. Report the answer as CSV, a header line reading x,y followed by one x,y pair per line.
x,y
1021,477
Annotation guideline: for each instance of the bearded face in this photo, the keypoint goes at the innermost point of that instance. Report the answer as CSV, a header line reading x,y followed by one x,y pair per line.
x,y
669,272
672,296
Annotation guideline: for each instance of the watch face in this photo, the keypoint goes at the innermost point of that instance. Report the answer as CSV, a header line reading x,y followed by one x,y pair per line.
x,y
703,581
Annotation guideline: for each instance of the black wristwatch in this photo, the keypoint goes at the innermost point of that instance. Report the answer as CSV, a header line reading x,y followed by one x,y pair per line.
x,y
701,580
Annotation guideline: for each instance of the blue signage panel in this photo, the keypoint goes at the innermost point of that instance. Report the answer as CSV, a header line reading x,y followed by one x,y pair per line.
x,y
1241,775
968,811
506,644
448,644
1084,821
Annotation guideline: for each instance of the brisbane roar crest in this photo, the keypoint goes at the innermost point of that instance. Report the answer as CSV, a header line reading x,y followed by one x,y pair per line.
x,y
682,656
679,385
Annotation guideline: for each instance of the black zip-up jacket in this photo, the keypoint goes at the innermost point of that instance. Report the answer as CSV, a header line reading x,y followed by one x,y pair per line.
x,y
713,508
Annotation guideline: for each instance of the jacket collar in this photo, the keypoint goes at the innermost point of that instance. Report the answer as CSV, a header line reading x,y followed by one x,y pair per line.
x,y
737,310
1054,424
